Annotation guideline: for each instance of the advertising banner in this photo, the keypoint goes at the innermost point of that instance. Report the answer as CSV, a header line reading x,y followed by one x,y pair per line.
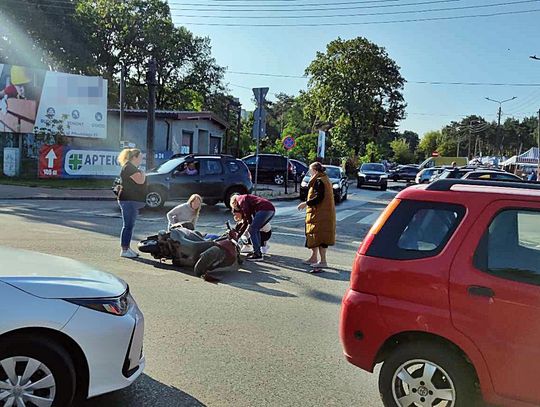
x,y
58,161
81,163
50,162
33,100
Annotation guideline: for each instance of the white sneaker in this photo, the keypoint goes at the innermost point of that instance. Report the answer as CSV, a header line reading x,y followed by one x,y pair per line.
x,y
265,249
247,249
133,252
128,254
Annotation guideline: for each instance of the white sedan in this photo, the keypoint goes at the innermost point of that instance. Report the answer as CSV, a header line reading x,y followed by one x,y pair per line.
x,y
67,331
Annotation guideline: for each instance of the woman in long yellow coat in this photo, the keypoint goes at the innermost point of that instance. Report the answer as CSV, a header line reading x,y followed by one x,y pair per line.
x,y
320,216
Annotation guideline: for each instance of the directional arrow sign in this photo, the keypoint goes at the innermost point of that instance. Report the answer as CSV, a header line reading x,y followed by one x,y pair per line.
x,y
260,95
51,156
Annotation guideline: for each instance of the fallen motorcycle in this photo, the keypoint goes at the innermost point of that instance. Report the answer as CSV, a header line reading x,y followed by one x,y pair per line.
x,y
188,248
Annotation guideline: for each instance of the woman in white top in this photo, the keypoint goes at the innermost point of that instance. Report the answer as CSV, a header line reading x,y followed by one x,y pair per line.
x,y
186,212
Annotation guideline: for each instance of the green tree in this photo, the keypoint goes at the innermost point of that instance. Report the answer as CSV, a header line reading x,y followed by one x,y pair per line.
x,y
402,151
355,84
429,143
373,153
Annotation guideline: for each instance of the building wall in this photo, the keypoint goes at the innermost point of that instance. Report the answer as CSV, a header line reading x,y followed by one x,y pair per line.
x,y
135,132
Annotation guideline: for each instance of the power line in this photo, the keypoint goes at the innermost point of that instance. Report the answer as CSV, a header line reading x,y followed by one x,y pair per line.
x,y
432,10
288,9
67,4
413,82
412,20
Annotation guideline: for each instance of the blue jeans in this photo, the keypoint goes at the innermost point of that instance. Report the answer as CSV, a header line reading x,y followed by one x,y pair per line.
x,y
130,210
259,220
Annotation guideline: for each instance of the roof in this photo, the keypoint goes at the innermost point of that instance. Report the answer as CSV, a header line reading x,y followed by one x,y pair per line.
x,y
529,157
175,115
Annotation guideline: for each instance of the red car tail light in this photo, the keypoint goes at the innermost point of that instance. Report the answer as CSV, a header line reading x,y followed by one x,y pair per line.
x,y
377,226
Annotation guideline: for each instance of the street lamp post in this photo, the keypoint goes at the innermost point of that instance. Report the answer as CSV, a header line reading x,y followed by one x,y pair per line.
x,y
500,102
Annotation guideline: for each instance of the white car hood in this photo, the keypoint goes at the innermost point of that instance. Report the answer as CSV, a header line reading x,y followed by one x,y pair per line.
x,y
48,276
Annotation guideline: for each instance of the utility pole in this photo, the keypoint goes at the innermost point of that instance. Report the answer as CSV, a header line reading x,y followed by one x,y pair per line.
x,y
538,143
151,118
122,100
228,123
238,129
500,102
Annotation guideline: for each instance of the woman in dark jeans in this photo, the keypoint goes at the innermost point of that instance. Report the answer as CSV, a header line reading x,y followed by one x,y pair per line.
x,y
257,212
131,197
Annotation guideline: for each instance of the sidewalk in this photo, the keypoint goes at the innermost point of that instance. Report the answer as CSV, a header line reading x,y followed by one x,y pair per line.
x,y
16,192
10,192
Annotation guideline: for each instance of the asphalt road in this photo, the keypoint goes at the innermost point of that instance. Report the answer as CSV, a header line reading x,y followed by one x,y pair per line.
x,y
266,335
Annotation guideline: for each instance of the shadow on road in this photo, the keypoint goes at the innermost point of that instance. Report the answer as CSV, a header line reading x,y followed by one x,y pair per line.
x,y
145,392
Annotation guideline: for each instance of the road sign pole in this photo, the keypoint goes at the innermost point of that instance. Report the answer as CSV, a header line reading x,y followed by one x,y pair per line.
x,y
256,165
287,172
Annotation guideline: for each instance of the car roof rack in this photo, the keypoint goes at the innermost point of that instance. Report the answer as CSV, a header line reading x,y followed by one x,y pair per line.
x,y
447,184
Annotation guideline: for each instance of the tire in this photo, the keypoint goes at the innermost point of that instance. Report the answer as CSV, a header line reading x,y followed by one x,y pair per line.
x,y
395,179
54,361
384,187
453,376
346,196
209,260
279,179
337,197
230,192
156,197
358,185
150,246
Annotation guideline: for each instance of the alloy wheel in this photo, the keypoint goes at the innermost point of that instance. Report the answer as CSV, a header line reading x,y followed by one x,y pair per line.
x,y
423,383
279,179
153,199
26,382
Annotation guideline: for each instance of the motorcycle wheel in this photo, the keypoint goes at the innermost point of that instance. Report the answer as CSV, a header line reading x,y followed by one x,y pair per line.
x,y
149,246
209,260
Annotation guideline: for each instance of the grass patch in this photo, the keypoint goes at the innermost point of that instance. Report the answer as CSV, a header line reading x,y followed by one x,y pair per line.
x,y
58,183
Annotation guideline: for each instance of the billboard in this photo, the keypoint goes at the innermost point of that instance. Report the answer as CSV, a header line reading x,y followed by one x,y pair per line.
x,y
33,99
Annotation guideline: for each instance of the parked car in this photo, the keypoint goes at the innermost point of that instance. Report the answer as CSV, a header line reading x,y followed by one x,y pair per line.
x,y
272,167
372,174
487,175
444,293
300,169
453,173
67,331
425,176
217,179
339,181
404,173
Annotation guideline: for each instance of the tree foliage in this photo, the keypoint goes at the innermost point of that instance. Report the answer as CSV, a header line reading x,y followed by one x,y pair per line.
x,y
402,151
355,84
97,37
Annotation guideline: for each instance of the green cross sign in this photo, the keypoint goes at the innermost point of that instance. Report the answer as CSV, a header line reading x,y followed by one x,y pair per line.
x,y
75,162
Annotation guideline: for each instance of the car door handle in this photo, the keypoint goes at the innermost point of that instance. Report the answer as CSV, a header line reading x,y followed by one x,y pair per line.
x,y
479,291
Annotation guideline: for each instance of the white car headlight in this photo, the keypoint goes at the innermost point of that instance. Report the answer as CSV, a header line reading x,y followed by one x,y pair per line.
x,y
116,306
304,184
361,174
336,186
384,176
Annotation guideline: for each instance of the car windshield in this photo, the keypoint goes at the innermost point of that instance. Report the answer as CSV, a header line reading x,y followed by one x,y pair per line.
x,y
333,172
168,166
372,167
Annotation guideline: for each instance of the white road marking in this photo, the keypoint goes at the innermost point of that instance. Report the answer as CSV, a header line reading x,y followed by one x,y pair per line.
x,y
342,215
370,219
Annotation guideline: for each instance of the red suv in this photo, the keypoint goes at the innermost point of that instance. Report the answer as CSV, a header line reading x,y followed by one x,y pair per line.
x,y
445,291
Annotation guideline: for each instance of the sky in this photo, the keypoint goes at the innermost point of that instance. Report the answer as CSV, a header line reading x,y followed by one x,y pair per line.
x,y
493,49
